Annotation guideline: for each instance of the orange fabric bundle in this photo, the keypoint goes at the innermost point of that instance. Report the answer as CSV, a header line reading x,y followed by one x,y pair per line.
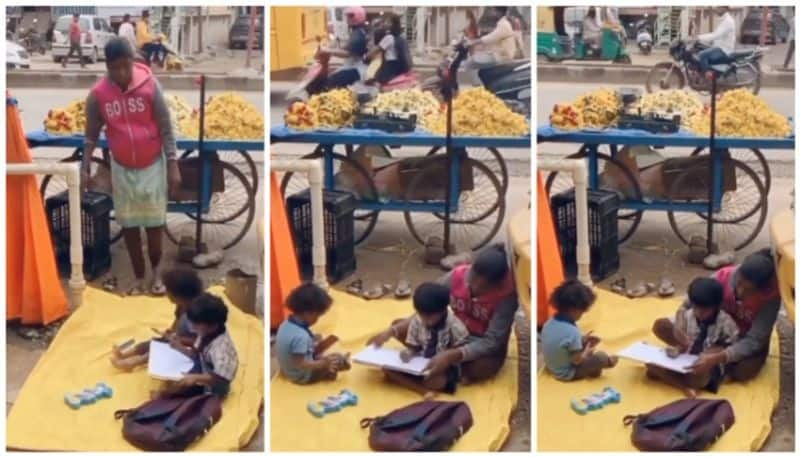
x,y
33,289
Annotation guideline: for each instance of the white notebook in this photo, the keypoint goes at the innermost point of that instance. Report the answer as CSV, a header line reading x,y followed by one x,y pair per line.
x,y
166,363
390,359
655,355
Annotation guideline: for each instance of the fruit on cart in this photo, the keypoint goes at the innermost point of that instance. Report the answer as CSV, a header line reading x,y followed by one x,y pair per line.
x,y
566,117
68,120
412,101
742,114
228,116
675,101
180,110
478,112
300,116
599,108
334,108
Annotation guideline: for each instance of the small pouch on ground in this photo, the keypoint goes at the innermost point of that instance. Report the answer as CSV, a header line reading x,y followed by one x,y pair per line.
x,y
422,426
171,423
683,425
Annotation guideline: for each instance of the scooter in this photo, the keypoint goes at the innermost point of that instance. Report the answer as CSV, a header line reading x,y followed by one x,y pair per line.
x,y
644,37
32,41
314,80
509,81
739,69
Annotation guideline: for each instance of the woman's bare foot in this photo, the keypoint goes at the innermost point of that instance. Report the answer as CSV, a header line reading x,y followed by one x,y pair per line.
x,y
128,363
612,361
137,288
690,393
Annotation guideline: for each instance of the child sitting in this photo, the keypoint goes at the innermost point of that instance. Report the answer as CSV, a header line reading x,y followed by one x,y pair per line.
x,y
182,286
568,354
297,346
214,351
433,329
700,326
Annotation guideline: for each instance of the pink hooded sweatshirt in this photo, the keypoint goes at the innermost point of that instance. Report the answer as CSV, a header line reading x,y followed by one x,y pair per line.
x,y
131,128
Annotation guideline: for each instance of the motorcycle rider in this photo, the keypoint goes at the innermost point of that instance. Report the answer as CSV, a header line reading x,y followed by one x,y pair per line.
x,y
394,47
722,39
354,68
499,45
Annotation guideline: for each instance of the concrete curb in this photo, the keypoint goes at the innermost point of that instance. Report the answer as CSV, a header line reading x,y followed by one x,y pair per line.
x,y
182,81
630,74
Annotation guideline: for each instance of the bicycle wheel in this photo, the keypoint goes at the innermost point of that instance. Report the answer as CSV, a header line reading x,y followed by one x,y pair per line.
x,y
740,218
467,232
614,177
219,229
349,176
753,158
55,184
491,158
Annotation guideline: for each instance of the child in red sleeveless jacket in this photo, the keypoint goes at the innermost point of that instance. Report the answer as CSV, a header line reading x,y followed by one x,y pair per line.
x,y
128,101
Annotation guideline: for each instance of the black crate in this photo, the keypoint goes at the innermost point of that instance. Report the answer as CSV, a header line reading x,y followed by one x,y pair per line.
x,y
603,232
338,210
95,213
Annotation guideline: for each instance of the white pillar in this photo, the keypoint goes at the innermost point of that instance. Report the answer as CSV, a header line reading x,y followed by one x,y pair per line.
x,y
421,13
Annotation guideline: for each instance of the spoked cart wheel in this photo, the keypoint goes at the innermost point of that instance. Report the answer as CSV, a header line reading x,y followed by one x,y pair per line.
x,y
235,201
229,217
349,176
750,157
55,184
741,215
490,157
615,176
480,210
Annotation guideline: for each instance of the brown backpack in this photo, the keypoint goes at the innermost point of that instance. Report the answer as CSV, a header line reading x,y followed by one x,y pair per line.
x,y
683,425
171,423
421,426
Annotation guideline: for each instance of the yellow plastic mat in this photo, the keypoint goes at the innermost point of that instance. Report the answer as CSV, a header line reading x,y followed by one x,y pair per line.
x,y
79,358
619,322
354,320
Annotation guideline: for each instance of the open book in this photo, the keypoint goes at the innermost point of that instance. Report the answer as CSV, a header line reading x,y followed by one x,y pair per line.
x,y
166,363
655,355
390,359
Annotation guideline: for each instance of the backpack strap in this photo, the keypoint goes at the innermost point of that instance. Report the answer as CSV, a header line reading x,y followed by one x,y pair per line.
x,y
422,428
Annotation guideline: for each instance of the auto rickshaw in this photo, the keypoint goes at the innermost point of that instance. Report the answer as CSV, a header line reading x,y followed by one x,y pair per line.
x,y
554,44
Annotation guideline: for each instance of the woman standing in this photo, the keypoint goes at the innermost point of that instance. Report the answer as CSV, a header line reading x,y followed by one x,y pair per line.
x,y
128,101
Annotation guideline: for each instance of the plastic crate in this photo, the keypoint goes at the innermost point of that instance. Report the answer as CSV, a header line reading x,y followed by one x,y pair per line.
x,y
603,231
338,210
95,230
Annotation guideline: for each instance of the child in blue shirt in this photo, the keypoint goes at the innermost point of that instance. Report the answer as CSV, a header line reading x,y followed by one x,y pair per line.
x,y
296,345
568,354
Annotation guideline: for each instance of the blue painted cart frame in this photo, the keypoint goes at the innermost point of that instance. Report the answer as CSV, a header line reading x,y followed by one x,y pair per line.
x,y
614,138
210,148
328,139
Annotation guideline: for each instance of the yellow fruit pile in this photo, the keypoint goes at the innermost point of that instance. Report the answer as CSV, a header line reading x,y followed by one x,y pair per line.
x,y
228,116
478,112
566,117
599,109
67,121
300,116
675,101
742,114
334,109
180,109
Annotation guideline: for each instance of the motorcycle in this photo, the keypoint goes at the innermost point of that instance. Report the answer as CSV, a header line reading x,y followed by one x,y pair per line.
x,y
739,69
32,41
509,81
314,81
644,37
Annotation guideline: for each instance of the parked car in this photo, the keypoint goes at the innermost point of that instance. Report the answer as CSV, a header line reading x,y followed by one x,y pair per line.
x,y
777,27
95,33
16,56
240,32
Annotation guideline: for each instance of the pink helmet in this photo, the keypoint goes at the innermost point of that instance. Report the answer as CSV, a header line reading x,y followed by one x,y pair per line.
x,y
356,14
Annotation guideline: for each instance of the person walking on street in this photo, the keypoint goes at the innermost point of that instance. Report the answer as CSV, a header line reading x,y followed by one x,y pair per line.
x,y
127,31
790,51
74,41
